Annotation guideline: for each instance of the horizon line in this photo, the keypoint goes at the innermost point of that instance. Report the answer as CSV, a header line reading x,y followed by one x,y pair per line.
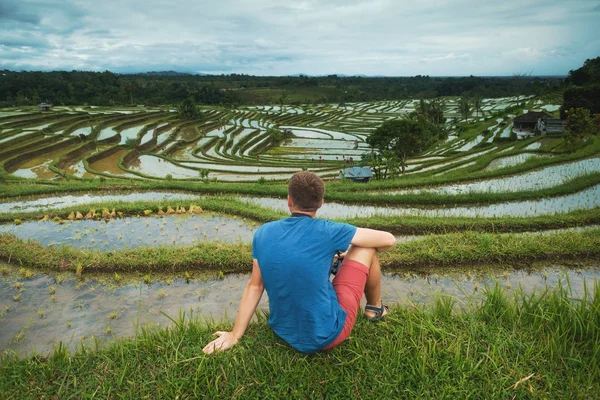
x,y
340,75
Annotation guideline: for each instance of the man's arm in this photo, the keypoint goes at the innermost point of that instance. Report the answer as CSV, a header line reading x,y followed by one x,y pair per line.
x,y
371,238
250,299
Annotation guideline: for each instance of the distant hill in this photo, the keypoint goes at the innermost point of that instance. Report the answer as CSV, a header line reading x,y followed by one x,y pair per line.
x,y
166,73
583,89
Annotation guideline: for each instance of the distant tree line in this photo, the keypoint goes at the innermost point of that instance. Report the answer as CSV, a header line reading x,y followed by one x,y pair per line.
x,y
107,88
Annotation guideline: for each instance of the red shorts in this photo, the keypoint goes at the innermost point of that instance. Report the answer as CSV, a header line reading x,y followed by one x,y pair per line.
x,y
349,285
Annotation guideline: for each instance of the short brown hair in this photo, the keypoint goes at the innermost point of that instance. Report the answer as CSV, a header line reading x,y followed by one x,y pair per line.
x,y
306,190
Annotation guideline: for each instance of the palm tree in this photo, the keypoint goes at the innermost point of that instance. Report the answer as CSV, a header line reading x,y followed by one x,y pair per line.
x,y
477,104
464,107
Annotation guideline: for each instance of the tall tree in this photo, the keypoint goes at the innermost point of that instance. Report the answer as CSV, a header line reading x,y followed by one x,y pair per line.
x,y
403,138
188,110
477,104
432,110
579,124
464,107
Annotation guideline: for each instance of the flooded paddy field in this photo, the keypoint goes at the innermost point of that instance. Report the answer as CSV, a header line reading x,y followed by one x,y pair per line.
x,y
167,230
129,233
583,200
50,309
543,178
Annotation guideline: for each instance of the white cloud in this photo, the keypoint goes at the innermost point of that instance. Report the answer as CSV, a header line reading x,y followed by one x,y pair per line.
x,y
378,37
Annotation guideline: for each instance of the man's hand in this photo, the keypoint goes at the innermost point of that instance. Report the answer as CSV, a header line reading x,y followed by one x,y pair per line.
x,y
250,299
225,341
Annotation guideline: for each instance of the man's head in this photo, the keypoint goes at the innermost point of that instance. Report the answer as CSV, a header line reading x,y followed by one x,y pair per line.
x,y
306,191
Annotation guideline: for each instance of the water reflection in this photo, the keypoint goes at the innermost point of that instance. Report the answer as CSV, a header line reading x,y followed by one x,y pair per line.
x,y
533,180
583,200
128,233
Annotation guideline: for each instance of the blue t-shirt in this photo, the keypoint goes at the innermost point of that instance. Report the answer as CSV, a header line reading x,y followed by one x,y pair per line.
x,y
294,255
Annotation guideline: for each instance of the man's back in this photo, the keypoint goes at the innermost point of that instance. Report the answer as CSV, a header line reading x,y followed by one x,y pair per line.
x,y
294,255
292,259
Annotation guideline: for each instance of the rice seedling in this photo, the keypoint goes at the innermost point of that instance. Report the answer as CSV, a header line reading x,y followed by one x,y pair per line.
x,y
41,313
19,337
161,294
26,273
147,279
113,315
4,271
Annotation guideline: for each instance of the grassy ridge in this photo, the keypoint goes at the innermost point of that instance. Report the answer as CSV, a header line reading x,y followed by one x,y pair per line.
x,y
417,225
472,247
435,250
280,191
399,225
544,345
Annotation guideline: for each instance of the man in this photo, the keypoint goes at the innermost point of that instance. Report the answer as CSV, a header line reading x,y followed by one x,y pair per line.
x,y
291,259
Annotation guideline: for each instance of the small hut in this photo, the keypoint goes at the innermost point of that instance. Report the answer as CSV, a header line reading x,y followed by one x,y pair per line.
x,y
356,174
44,107
529,121
551,125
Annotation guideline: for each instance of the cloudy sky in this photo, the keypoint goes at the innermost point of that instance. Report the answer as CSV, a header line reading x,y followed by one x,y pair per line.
x,y
315,37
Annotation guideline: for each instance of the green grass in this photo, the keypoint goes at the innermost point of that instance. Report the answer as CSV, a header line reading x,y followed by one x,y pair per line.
x,y
485,248
419,225
506,345
454,249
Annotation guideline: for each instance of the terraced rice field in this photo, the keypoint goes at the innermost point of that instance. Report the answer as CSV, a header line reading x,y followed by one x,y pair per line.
x,y
232,145
129,193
